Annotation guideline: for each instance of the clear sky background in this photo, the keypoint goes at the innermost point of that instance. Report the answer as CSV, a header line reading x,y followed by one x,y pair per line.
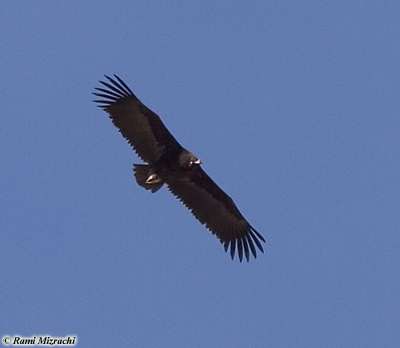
x,y
293,106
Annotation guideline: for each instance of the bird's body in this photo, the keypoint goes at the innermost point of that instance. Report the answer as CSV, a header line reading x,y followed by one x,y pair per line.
x,y
169,163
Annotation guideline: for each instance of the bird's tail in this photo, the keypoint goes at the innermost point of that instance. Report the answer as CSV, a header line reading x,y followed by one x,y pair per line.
x,y
146,178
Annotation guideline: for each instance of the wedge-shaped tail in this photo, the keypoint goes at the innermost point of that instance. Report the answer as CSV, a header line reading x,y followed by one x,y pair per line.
x,y
146,178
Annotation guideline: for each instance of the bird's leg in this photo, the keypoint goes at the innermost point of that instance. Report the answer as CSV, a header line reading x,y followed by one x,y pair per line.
x,y
152,179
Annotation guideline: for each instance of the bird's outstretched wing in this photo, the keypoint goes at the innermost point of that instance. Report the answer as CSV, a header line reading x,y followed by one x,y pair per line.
x,y
139,125
214,208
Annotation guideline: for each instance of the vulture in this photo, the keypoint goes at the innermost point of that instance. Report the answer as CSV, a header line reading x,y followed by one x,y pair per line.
x,y
167,162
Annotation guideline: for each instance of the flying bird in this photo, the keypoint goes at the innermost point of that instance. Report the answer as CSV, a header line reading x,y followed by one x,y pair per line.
x,y
169,163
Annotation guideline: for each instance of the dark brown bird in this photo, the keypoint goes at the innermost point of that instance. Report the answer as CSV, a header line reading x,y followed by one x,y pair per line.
x,y
169,163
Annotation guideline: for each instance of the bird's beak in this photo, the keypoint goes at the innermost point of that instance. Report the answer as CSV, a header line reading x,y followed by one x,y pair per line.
x,y
198,161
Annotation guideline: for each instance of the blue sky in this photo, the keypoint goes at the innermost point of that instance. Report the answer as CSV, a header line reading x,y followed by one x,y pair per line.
x,y
293,108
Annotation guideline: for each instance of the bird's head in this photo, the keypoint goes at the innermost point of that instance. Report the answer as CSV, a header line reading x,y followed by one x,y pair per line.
x,y
195,161
188,160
